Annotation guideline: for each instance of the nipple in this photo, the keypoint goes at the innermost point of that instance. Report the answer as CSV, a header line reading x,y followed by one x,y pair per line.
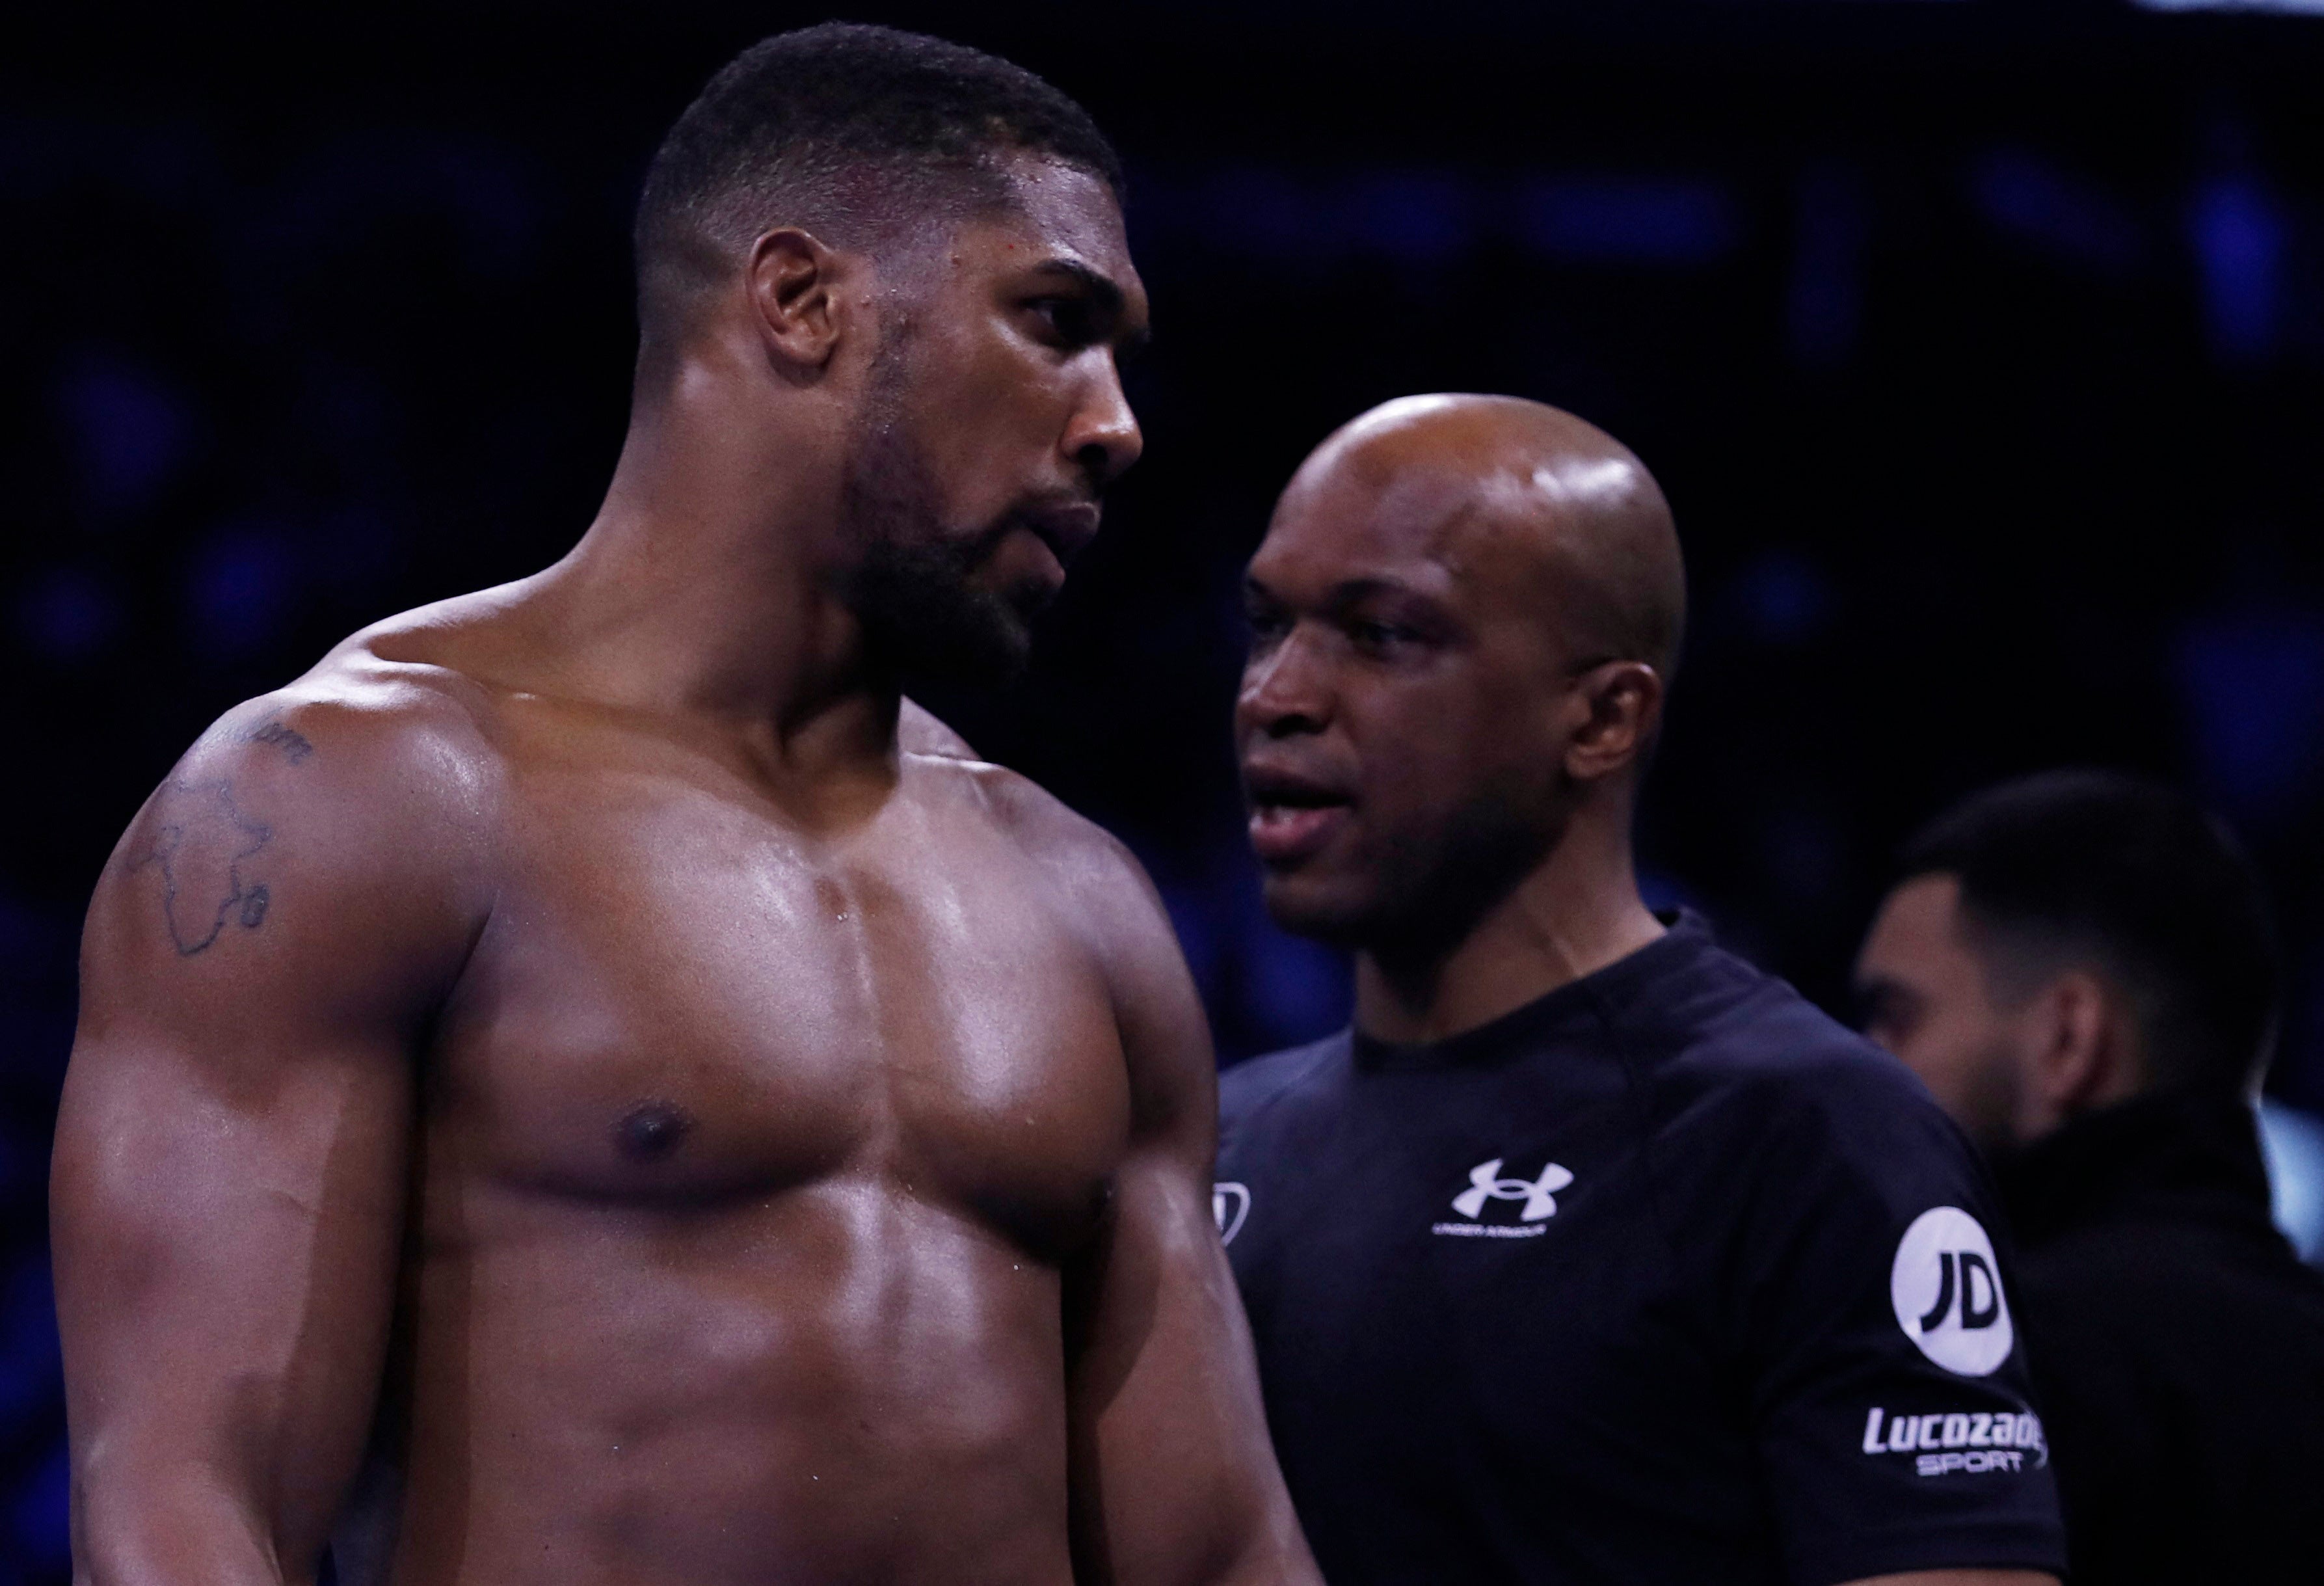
x,y
652,1130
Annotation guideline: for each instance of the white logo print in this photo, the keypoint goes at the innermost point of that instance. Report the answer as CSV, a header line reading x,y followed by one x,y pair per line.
x,y
1540,1196
1486,1183
1230,1204
1946,1288
1969,1441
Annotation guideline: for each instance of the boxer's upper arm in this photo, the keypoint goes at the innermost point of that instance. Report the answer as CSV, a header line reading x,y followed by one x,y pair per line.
x,y
1174,1478
230,1166
1962,1578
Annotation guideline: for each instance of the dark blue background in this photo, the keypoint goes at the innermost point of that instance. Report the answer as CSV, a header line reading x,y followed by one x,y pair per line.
x,y
1981,348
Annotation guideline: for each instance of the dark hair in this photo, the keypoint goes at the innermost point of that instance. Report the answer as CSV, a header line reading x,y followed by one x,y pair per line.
x,y
2101,867
848,130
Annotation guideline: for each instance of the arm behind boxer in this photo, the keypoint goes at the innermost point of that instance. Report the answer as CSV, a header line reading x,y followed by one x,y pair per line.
x,y
230,1171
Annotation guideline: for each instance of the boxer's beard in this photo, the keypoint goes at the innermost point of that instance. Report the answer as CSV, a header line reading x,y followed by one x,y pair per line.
x,y
926,620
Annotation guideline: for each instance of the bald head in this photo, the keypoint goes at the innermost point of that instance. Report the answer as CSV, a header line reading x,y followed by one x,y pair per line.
x,y
1462,618
1548,506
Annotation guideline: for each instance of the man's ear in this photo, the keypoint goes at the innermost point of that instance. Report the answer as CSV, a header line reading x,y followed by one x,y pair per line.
x,y
797,288
1623,701
2084,1053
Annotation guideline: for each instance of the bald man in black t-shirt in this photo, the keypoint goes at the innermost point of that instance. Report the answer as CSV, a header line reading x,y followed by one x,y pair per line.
x,y
1590,1254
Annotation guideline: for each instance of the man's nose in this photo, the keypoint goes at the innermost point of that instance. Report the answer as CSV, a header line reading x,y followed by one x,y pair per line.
x,y
1103,437
1284,691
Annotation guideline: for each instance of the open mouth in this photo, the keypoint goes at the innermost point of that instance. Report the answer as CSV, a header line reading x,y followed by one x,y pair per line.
x,y
1292,817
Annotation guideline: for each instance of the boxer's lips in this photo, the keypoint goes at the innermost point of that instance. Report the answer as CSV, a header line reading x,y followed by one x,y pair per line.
x,y
1067,528
1292,817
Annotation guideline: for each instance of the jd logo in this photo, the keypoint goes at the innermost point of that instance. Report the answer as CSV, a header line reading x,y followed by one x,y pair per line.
x,y
1979,1300
1230,1204
1946,1288
1486,1183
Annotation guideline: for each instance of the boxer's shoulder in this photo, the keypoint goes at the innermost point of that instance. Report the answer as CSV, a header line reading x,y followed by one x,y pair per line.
x,y
327,834
1104,898
368,770
1080,856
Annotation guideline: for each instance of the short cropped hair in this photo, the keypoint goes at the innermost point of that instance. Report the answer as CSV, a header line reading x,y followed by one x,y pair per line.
x,y
850,132
2085,867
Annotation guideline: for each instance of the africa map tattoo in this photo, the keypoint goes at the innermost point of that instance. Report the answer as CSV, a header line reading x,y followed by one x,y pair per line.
x,y
294,741
200,855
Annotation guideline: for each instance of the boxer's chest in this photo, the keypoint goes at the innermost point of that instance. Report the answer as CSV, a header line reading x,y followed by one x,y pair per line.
x,y
678,998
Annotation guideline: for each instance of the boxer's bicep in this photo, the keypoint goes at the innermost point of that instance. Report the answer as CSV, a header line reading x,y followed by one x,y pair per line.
x,y
230,1164
1174,1478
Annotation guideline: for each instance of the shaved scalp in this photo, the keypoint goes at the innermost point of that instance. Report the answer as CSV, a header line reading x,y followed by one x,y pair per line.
x,y
1570,498
859,136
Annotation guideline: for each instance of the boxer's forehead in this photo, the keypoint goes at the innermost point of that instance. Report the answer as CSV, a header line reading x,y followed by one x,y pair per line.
x,y
1066,221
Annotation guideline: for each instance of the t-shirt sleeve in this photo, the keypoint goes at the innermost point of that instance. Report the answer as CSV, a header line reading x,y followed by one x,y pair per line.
x,y
1868,1281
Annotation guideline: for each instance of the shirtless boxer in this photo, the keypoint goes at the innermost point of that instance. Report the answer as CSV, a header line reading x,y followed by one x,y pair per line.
x,y
561,1046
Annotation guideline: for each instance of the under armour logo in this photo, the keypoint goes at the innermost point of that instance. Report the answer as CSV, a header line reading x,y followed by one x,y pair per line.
x,y
1230,1204
1539,1195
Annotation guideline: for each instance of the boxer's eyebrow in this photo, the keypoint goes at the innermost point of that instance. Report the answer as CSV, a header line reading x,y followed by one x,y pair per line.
x,y
1107,296
1097,283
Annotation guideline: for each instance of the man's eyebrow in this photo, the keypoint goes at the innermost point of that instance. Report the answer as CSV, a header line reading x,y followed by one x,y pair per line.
x,y
1348,592
1111,298
1097,283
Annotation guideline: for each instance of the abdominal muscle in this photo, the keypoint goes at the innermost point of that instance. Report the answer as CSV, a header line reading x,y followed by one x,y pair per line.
x,y
837,1382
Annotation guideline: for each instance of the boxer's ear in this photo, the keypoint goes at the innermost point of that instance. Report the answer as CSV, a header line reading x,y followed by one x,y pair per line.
x,y
797,288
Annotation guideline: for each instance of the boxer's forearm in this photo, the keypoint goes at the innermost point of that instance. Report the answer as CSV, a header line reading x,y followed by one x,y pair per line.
x,y
172,1527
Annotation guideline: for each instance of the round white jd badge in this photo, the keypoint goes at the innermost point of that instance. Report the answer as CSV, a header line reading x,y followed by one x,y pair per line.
x,y
1946,1288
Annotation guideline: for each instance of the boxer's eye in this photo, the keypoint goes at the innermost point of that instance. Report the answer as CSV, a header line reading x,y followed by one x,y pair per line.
x,y
1067,321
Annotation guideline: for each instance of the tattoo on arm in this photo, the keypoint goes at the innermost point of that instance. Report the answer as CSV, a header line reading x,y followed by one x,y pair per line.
x,y
200,853
294,743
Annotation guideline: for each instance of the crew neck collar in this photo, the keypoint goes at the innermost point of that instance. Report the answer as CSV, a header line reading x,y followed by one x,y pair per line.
x,y
2175,1149
1571,1006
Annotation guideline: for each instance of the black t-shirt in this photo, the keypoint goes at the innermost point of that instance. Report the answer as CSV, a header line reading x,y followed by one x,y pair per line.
x,y
1662,1277
2178,1346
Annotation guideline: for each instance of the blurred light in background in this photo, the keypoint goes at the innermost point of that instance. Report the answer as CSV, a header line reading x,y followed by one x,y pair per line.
x,y
1823,305
68,616
131,432
2237,229
2055,212
2286,7
1670,222
2293,1144
2250,678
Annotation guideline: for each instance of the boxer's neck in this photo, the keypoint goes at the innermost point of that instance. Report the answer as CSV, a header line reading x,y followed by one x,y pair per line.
x,y
707,585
